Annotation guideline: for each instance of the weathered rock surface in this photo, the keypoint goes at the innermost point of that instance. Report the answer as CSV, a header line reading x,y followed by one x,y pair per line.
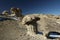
x,y
30,27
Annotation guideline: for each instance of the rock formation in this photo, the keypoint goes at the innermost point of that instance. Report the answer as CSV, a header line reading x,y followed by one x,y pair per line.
x,y
16,11
31,26
5,12
44,25
15,14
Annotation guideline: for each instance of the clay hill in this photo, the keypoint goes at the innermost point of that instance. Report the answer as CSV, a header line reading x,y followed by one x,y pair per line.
x,y
28,27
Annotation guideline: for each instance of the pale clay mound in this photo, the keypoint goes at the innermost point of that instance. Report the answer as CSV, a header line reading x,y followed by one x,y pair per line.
x,y
23,30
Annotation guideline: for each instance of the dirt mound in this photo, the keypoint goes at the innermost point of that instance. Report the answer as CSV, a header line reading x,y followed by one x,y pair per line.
x,y
32,27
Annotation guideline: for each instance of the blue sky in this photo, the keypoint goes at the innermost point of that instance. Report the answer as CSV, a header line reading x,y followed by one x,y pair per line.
x,y
32,6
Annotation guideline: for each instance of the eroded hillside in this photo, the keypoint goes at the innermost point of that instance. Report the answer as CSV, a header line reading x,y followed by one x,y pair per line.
x,y
30,27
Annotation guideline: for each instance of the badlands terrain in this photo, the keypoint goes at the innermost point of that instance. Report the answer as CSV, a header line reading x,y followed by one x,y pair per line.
x,y
30,27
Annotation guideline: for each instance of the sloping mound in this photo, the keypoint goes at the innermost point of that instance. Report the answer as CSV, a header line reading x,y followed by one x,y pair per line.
x,y
10,30
32,27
